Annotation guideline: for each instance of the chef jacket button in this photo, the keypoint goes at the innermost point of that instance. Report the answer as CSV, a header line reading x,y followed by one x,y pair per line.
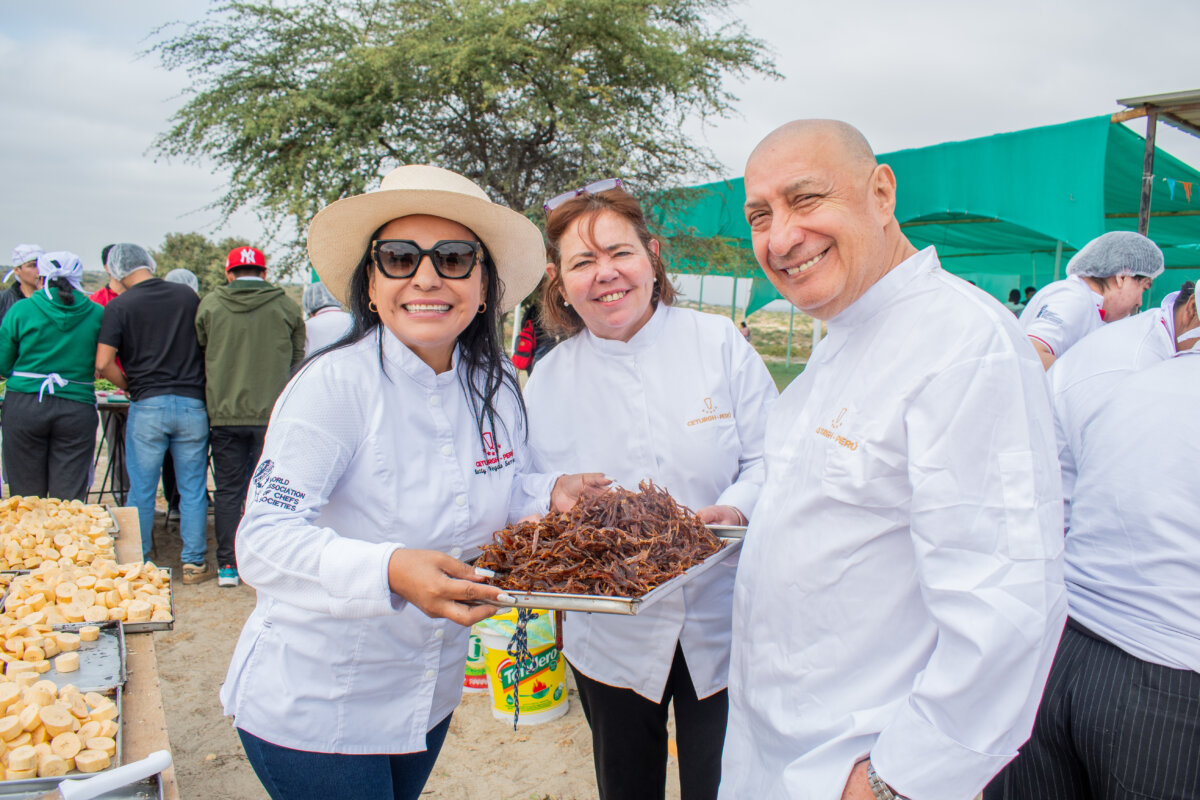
x,y
447,449
461,500
430,674
439,633
456,551
435,401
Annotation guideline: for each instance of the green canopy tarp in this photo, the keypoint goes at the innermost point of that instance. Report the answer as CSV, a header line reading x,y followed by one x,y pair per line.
x,y
997,207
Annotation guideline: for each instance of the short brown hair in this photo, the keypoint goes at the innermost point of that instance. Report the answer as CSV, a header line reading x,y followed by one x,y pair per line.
x,y
562,320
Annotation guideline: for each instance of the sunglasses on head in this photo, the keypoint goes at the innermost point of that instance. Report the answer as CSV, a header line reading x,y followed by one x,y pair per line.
x,y
595,187
453,259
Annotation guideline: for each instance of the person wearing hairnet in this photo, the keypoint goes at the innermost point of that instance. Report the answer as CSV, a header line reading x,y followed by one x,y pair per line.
x,y
1082,381
325,321
1120,717
46,349
1105,281
151,326
24,268
184,276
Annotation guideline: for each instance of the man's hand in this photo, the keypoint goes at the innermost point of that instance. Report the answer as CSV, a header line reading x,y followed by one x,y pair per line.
x,y
569,488
106,366
857,785
441,586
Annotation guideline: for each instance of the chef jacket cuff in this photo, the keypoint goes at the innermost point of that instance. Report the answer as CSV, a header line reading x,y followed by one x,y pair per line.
x,y
356,590
918,760
741,496
533,496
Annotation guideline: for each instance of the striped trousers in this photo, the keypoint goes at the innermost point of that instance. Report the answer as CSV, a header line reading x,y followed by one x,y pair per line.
x,y
1110,727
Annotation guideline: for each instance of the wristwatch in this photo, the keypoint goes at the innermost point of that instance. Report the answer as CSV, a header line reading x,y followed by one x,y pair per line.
x,y
882,790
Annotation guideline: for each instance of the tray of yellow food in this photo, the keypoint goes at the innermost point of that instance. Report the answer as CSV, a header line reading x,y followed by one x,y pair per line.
x,y
137,595
34,530
91,657
47,731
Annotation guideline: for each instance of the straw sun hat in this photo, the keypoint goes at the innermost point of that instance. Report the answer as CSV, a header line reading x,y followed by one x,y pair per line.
x,y
341,232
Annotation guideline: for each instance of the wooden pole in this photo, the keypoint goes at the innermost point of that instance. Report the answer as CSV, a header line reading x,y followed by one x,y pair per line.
x,y
1147,174
791,324
1058,260
700,300
733,301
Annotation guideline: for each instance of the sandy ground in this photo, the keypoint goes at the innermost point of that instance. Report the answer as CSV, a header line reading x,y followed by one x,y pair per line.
x,y
483,759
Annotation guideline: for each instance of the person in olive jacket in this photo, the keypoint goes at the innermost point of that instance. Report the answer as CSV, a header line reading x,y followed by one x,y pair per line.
x,y
252,335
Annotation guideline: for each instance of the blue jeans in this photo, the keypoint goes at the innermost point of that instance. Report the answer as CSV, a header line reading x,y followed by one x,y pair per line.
x,y
289,774
179,424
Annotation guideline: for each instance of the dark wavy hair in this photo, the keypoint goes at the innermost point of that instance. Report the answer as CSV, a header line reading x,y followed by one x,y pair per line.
x,y
482,366
66,292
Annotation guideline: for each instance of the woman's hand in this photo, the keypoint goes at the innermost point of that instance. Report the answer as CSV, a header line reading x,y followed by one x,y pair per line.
x,y
441,586
721,515
569,488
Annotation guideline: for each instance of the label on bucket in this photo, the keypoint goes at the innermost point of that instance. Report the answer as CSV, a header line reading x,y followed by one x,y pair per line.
x,y
475,675
542,686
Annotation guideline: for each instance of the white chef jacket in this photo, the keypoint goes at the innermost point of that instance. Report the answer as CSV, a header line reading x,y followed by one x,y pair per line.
x,y
1062,313
1082,380
356,464
683,402
900,589
1133,556
324,328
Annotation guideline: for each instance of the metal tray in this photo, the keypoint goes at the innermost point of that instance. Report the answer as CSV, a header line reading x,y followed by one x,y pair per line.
x,y
601,604
101,663
146,627
113,527
30,787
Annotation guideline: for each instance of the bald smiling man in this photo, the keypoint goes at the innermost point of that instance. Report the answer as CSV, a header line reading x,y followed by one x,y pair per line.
x,y
900,592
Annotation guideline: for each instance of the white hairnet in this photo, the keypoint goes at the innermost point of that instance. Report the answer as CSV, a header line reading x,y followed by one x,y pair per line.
x,y
125,259
316,297
61,264
184,276
24,253
1118,253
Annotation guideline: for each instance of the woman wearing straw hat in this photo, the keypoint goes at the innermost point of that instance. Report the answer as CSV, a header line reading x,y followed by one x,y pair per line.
x,y
387,456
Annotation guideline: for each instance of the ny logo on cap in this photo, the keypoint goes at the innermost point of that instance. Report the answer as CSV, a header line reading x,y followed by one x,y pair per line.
x,y
247,255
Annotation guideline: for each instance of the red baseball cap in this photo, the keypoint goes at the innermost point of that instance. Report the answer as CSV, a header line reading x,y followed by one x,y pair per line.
x,y
245,257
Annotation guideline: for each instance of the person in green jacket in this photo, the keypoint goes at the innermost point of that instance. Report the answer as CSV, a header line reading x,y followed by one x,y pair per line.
x,y
48,354
252,335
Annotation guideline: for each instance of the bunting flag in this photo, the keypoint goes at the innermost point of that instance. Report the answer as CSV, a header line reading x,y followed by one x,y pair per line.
x,y
1188,186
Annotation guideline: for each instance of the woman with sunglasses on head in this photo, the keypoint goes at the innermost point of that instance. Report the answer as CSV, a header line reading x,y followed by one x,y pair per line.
x,y
387,457
645,390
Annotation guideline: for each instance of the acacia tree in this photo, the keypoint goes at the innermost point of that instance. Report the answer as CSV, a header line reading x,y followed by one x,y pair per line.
x,y
195,253
305,103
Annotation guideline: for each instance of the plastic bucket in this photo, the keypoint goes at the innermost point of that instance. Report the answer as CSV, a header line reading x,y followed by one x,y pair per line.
x,y
475,675
542,688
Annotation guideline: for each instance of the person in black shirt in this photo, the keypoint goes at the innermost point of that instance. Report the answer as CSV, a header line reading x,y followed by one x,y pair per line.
x,y
151,328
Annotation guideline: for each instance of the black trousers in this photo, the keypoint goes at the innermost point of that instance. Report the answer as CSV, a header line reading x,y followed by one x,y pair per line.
x,y
1110,727
629,737
235,451
48,446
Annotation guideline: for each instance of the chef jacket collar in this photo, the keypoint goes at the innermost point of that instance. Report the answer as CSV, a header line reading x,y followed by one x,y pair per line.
x,y
641,340
884,291
1167,309
396,354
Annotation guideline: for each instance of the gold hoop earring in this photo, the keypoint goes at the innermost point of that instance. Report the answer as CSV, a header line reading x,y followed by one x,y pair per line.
x,y
371,305
482,307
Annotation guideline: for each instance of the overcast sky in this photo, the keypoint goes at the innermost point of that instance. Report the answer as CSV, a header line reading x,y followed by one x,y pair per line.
x,y
80,108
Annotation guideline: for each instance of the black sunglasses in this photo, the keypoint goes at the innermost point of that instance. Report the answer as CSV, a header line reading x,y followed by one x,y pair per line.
x,y
453,259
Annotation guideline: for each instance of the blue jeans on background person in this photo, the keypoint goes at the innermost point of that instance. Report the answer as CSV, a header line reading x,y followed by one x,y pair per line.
x,y
289,774
179,424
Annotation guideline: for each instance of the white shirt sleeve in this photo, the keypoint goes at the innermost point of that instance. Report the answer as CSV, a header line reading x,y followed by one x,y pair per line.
x,y
754,392
281,551
1061,319
987,534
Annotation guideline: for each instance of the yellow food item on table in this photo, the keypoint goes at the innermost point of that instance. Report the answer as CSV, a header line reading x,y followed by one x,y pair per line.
x,y
67,641
67,662
92,761
23,757
20,774
35,531
51,766
102,743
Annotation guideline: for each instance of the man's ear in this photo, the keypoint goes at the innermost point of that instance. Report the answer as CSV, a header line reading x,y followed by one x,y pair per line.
x,y
882,187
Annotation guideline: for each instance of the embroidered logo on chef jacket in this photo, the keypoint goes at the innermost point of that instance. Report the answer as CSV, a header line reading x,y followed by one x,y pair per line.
x,y
709,412
493,459
1049,316
273,489
839,419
